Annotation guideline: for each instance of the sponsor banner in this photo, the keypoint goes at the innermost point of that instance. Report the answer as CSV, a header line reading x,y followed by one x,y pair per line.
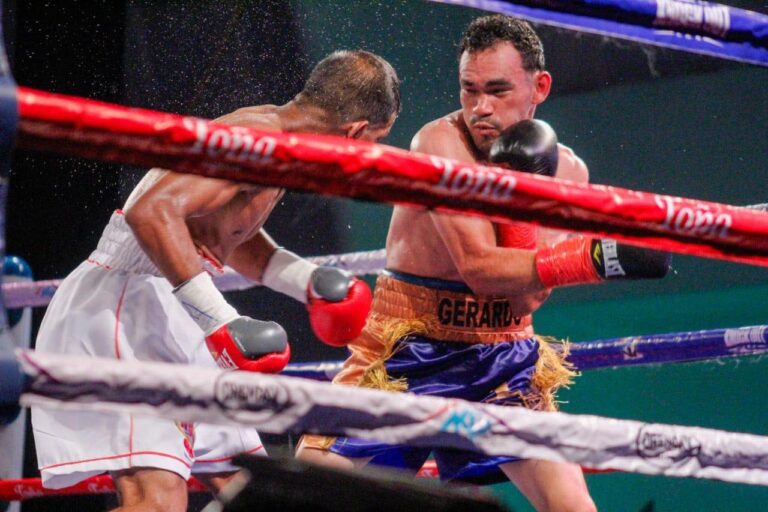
x,y
692,26
278,404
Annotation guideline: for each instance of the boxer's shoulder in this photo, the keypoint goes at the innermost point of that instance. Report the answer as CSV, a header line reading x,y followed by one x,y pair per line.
x,y
259,116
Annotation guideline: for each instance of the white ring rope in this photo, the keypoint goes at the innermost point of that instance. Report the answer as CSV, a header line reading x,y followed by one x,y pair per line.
x,y
278,404
39,293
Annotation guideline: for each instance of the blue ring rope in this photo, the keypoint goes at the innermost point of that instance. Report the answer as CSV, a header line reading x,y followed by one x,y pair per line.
x,y
676,347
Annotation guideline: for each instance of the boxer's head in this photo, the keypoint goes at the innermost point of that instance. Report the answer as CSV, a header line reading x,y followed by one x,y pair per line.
x,y
502,76
358,90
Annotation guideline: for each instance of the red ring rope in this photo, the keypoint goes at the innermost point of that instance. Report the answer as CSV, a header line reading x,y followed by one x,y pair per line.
x,y
27,488
362,170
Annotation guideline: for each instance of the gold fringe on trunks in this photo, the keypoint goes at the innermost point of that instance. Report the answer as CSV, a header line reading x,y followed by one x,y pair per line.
x,y
552,371
376,376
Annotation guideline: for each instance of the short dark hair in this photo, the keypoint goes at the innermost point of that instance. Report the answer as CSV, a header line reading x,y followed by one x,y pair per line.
x,y
354,85
487,31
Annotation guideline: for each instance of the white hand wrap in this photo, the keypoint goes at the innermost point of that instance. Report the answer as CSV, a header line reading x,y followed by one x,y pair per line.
x,y
205,303
288,273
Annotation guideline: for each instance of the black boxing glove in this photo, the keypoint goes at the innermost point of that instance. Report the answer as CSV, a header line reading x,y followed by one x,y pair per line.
x,y
528,146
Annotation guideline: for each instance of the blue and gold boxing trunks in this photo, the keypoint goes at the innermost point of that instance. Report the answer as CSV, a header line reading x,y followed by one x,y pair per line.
x,y
434,337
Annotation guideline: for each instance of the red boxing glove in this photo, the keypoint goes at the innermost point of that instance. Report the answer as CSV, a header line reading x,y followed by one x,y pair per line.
x,y
581,260
337,302
565,263
250,345
235,342
337,323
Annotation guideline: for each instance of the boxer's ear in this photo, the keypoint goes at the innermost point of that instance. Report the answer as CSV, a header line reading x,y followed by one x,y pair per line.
x,y
542,84
355,129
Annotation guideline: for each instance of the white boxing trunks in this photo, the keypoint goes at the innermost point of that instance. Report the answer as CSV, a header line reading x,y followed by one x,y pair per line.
x,y
117,305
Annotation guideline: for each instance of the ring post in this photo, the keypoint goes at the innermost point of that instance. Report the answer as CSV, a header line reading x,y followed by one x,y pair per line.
x,y
11,379
16,270
9,116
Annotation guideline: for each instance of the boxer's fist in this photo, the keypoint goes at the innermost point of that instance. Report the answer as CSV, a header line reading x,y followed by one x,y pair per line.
x,y
235,342
337,302
528,146
338,305
250,345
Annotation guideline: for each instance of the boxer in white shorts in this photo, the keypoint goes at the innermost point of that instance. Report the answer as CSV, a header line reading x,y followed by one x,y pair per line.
x,y
131,314
146,294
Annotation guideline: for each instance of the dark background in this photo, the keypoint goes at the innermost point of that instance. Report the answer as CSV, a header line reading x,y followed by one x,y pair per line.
x,y
641,117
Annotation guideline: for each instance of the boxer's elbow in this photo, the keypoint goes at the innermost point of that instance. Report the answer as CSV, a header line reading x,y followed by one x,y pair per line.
x,y
498,273
148,218
523,300
474,271
527,303
518,285
140,216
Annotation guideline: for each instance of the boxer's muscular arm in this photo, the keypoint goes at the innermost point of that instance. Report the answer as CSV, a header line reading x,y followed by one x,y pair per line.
x,y
471,241
337,302
158,219
251,257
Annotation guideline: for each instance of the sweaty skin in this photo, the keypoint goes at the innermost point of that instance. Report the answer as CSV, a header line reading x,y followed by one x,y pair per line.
x,y
496,92
182,216
463,248
494,95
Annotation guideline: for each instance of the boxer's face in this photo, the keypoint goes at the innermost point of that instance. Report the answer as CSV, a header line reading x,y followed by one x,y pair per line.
x,y
497,92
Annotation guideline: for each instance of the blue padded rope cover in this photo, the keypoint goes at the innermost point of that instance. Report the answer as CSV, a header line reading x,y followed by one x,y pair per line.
x,y
10,375
12,381
693,26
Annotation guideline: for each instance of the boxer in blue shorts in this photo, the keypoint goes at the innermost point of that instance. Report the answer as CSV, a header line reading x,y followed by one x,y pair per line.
x,y
452,316
460,346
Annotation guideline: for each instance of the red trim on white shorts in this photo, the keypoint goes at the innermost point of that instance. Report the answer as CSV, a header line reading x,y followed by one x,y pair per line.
x,y
117,320
122,455
130,442
225,459
98,264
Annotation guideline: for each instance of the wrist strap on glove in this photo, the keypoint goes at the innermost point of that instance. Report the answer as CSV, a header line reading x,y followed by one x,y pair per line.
x,y
204,303
581,260
567,263
289,274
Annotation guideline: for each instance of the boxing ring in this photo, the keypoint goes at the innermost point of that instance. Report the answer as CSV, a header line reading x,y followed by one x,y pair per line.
x,y
280,404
